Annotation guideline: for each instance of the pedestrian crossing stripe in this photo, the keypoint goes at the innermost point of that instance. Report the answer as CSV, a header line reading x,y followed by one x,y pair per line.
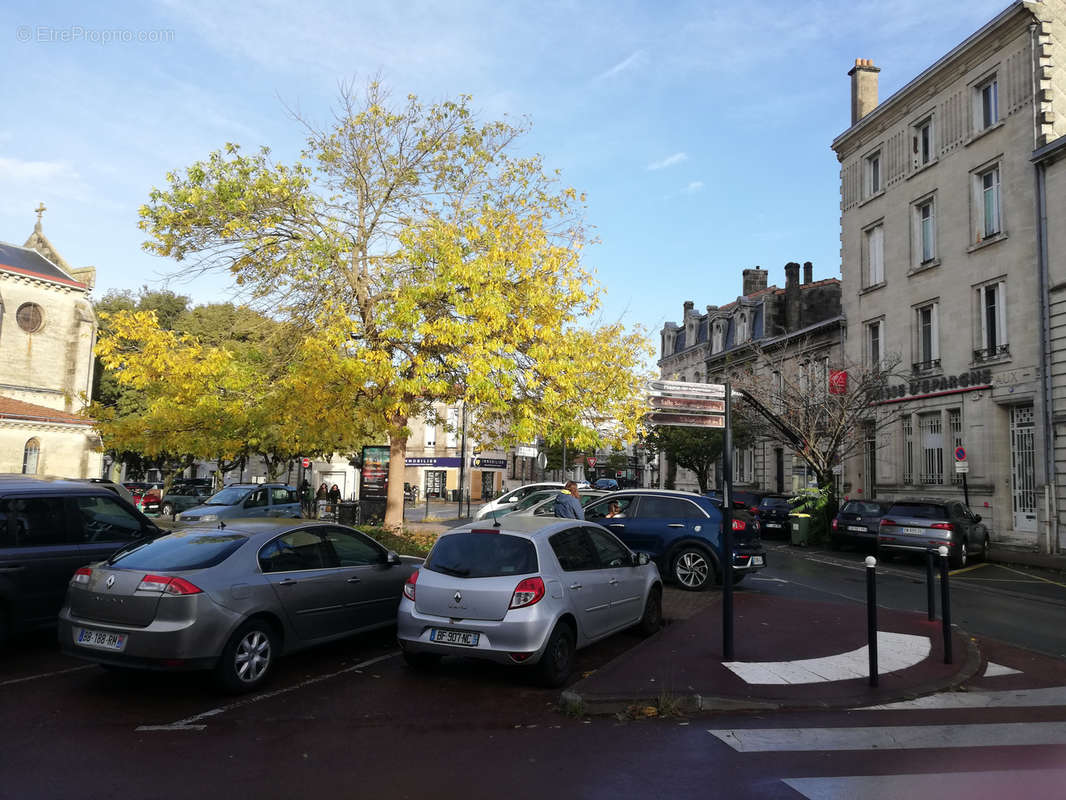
x,y
953,786
1020,698
995,670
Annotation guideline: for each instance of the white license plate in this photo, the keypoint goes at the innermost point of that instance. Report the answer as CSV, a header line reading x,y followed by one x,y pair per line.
x,y
911,531
445,636
857,528
102,640
756,561
773,524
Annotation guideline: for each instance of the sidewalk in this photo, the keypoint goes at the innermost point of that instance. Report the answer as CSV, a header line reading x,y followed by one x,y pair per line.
x,y
787,654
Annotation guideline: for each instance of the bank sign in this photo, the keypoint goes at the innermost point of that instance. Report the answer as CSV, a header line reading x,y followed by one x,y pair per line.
x,y
931,387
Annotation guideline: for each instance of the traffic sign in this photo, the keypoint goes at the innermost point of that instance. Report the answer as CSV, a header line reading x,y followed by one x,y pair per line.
x,y
698,405
960,453
591,461
686,420
306,463
961,467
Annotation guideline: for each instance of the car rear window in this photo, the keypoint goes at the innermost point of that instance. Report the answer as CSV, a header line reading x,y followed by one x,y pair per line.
x,y
482,555
921,510
179,551
775,502
863,509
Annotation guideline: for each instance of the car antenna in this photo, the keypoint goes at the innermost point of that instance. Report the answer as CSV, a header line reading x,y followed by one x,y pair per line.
x,y
221,525
495,519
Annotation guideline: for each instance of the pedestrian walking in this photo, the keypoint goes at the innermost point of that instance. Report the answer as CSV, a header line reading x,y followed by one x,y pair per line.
x,y
568,503
334,494
307,498
323,492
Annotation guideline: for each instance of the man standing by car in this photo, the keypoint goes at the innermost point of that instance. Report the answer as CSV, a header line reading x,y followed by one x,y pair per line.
x,y
568,503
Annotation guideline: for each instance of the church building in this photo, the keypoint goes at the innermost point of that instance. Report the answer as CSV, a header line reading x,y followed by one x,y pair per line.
x,y
47,336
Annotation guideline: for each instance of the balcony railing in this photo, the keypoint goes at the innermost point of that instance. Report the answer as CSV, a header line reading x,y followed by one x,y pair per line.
x,y
926,366
990,353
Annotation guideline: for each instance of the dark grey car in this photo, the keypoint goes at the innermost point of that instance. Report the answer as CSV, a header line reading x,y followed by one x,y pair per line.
x,y
232,598
858,522
917,525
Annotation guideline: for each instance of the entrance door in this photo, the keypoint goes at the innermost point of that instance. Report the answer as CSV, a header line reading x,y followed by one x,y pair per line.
x,y
779,463
871,462
435,482
1023,470
488,485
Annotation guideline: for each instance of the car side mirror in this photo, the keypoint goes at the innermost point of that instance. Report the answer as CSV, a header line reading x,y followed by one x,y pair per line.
x,y
392,559
976,517
641,560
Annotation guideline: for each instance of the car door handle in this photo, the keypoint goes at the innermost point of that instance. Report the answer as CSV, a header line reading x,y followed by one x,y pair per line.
x,y
676,525
286,582
353,579
575,585
616,525
12,568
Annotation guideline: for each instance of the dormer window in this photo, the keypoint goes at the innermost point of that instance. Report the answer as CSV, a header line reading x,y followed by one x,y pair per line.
x,y
718,337
743,330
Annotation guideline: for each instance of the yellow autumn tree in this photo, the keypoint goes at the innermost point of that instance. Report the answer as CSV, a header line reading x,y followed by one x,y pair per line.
x,y
425,262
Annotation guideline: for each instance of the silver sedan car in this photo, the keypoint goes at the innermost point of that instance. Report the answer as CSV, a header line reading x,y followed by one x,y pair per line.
x,y
530,592
232,598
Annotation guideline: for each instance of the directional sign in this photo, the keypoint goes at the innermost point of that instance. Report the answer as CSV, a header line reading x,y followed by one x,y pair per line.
x,y
686,420
684,388
692,405
960,453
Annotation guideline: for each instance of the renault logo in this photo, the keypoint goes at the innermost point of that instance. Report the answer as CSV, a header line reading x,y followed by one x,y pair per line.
x,y
458,597
109,582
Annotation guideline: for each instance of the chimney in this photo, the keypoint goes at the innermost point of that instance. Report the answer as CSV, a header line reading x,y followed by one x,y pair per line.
x,y
792,296
808,272
754,280
689,305
863,88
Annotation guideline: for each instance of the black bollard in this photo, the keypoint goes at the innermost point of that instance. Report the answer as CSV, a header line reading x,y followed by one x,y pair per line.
x,y
930,554
871,615
945,604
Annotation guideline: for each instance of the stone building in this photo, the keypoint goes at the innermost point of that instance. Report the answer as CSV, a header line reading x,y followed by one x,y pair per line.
x,y
47,335
766,329
435,452
940,255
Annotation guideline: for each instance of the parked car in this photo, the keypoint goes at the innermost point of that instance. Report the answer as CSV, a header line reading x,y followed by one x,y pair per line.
x,y
503,503
528,593
106,483
773,514
542,504
682,533
182,497
138,489
609,484
49,528
915,525
232,599
750,500
245,500
532,500
857,522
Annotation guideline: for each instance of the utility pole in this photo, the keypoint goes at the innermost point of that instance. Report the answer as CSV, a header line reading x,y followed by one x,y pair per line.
x,y
462,458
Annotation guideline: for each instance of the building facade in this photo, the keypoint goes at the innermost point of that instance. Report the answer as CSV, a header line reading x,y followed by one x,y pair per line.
x,y
764,334
939,266
47,335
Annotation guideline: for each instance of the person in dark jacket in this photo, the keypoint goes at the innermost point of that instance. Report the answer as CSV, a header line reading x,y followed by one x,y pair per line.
x,y
323,492
568,503
334,494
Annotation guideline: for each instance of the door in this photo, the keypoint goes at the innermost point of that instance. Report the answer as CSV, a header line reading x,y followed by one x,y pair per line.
x,y
488,485
256,504
870,446
587,586
283,502
104,525
779,464
625,582
372,587
619,523
309,585
662,520
1023,468
435,482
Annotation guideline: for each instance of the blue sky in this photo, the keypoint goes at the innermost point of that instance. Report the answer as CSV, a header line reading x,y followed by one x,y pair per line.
x,y
699,130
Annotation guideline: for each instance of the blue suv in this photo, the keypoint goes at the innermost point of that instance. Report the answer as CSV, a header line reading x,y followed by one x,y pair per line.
x,y
682,532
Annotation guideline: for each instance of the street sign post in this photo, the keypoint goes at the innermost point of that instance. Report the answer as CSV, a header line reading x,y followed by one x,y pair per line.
x,y
962,466
694,405
686,420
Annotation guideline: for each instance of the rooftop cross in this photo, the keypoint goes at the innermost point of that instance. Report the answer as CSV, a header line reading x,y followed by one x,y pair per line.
x,y
40,211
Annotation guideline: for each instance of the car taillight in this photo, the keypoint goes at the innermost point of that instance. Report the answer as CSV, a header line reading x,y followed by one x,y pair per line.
x,y
82,576
739,525
167,585
943,526
409,586
527,593
836,524
885,522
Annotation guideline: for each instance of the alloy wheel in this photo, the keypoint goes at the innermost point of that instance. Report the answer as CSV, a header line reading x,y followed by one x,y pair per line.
x,y
691,569
252,658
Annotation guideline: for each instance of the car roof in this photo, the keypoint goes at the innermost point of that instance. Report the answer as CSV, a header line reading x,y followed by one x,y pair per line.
x,y
657,492
17,482
520,525
257,528
924,501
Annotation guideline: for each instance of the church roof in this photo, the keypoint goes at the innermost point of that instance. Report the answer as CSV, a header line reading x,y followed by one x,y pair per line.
x,y
27,261
29,412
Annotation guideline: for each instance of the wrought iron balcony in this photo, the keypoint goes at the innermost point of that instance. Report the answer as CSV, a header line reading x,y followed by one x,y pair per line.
x,y
931,365
991,353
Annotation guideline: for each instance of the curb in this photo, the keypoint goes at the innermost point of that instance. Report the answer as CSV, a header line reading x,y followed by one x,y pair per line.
x,y
574,702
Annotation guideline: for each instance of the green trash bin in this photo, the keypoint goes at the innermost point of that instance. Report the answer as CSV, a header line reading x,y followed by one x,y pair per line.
x,y
800,525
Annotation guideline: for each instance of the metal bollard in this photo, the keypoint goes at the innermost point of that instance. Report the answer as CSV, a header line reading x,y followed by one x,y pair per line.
x,y
945,603
930,554
871,615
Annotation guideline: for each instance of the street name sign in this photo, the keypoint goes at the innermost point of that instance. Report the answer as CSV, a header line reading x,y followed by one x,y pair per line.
x,y
697,405
686,420
685,389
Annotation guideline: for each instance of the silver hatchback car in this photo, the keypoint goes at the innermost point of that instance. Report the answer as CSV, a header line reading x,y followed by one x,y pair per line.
x,y
231,598
530,592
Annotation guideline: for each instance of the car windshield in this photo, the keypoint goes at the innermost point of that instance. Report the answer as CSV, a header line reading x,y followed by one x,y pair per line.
x,y
920,510
181,551
229,496
531,500
862,508
482,555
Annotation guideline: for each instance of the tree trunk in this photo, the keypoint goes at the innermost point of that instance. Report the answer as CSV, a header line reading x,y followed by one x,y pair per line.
x,y
397,456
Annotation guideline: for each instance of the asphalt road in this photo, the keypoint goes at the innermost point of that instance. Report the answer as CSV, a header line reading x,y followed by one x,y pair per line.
x,y
351,720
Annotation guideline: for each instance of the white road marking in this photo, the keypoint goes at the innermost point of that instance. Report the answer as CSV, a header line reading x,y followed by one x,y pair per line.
x,y
951,786
895,651
45,675
894,737
192,723
995,670
1021,698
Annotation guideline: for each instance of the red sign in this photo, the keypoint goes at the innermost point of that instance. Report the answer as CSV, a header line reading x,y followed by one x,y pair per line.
x,y
590,461
306,463
838,381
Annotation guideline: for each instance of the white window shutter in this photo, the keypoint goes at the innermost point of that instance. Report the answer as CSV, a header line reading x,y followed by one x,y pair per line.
x,y
935,354
982,309
1001,312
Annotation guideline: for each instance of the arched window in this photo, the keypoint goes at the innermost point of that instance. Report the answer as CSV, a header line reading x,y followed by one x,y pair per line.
x,y
29,457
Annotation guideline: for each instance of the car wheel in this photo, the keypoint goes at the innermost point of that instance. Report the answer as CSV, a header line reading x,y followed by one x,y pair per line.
x,y
959,556
421,661
986,545
653,613
692,568
168,510
248,657
557,663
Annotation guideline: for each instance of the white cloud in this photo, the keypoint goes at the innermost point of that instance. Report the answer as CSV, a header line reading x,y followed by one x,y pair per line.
x,y
636,59
693,187
669,161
